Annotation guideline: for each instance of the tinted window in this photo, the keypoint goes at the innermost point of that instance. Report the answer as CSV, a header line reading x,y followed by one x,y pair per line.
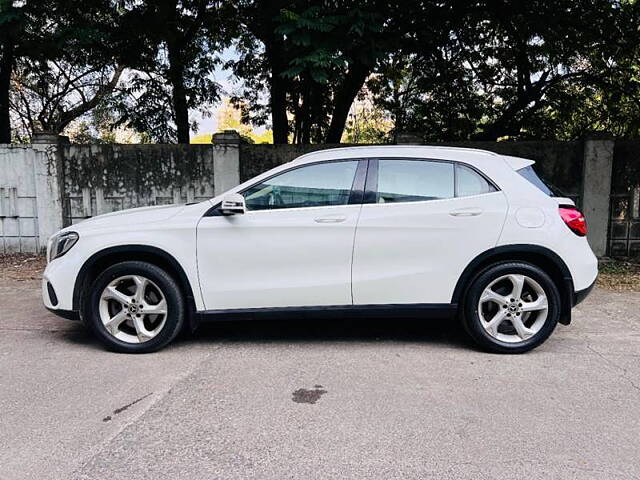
x,y
312,186
414,180
470,182
530,174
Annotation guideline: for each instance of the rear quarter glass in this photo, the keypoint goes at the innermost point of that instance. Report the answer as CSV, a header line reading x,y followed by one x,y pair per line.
x,y
545,187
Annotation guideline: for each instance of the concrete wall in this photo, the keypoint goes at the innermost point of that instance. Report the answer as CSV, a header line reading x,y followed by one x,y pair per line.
x,y
30,200
104,178
50,184
256,159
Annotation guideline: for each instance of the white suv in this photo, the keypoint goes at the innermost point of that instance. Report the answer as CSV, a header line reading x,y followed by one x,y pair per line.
x,y
415,230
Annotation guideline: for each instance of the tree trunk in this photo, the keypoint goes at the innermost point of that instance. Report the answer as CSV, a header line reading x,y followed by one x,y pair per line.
x,y
279,121
6,67
179,95
175,42
344,98
278,92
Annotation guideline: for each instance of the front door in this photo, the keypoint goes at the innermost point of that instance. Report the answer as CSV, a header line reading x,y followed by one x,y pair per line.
x,y
292,248
423,222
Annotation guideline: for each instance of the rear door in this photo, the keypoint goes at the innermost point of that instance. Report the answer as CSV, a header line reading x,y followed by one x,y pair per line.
x,y
423,221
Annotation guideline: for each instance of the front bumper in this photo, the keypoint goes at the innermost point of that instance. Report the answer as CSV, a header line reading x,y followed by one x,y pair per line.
x,y
52,303
66,314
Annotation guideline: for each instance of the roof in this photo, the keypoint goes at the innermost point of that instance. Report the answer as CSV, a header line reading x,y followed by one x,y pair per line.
x,y
471,155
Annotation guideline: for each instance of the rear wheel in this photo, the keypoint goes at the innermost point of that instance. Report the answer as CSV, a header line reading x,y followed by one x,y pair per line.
x,y
134,307
511,307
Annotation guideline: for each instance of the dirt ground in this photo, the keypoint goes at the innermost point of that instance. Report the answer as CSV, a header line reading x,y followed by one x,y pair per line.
x,y
21,267
615,275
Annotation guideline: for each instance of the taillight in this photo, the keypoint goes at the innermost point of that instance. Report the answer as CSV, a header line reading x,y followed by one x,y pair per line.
x,y
574,219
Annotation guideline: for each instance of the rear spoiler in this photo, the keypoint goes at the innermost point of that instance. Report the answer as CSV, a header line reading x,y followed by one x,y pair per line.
x,y
517,163
564,202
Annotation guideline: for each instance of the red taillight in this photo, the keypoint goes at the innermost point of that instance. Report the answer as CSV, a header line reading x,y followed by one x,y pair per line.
x,y
574,219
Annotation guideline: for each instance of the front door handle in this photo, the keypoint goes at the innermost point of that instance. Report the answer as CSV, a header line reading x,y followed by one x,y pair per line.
x,y
466,212
331,219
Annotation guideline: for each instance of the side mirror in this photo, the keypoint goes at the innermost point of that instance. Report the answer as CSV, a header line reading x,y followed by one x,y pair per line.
x,y
233,204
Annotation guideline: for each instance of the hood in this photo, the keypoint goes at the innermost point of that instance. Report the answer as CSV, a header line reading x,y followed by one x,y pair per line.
x,y
132,216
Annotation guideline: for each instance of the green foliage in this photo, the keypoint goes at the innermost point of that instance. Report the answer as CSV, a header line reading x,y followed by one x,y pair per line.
x,y
318,53
455,70
176,45
495,70
53,53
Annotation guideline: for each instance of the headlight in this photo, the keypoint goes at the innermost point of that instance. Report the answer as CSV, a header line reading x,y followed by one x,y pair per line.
x,y
61,244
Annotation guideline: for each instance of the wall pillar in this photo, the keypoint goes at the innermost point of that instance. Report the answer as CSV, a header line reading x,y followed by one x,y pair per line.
x,y
49,185
226,160
596,190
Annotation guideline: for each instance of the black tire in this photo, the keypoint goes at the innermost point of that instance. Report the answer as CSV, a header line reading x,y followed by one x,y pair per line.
x,y
471,319
171,291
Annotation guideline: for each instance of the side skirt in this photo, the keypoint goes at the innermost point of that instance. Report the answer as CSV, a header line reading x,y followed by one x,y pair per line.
x,y
414,310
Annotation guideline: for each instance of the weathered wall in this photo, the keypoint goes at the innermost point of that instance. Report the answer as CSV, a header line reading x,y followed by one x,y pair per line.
x,y
104,178
50,184
18,208
256,159
30,201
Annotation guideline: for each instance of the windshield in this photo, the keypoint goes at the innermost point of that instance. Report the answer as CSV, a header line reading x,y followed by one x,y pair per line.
x,y
530,174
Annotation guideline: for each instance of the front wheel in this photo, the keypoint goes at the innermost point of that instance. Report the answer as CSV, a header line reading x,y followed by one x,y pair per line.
x,y
511,307
134,307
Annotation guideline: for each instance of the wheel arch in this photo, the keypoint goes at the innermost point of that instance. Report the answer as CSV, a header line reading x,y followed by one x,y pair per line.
x,y
103,259
537,255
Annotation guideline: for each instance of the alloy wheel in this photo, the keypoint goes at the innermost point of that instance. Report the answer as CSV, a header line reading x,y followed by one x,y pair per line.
x,y
133,309
513,308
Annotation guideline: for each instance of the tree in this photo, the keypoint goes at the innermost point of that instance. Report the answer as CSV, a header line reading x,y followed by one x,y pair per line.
x,y
314,57
23,33
57,60
497,69
49,95
177,43
367,122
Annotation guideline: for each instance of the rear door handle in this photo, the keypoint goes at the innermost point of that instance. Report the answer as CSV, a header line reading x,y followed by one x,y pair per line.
x,y
466,212
331,219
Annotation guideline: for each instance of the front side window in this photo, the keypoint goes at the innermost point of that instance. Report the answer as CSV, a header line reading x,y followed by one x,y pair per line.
x,y
414,181
318,185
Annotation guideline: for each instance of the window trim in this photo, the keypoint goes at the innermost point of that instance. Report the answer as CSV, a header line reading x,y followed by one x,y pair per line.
x,y
371,186
356,191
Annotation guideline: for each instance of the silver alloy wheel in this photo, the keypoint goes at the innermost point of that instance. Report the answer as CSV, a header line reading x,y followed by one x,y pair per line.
x,y
513,308
133,309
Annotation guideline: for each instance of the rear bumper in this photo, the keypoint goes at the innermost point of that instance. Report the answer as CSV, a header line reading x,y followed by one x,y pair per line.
x,y
580,295
572,298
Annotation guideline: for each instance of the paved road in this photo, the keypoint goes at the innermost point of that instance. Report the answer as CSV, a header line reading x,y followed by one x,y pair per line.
x,y
340,400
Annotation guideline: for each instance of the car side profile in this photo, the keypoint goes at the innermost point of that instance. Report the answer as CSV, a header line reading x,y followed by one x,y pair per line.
x,y
369,231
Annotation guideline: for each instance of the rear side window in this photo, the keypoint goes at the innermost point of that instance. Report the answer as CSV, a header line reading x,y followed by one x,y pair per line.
x,y
469,182
414,181
530,174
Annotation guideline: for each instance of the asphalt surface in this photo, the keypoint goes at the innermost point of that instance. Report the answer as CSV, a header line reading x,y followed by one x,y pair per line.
x,y
344,399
